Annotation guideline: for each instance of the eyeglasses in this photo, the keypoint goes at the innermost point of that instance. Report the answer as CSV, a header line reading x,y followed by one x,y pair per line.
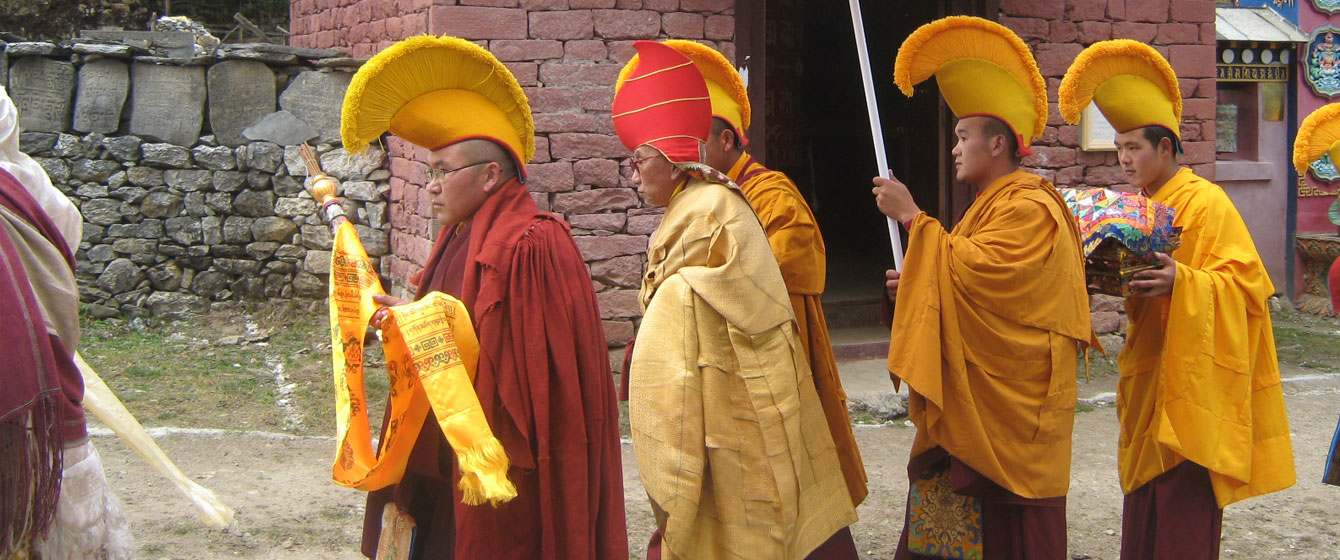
x,y
636,164
434,175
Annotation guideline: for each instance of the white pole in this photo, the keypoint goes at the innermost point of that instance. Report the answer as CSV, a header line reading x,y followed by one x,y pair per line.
x,y
876,129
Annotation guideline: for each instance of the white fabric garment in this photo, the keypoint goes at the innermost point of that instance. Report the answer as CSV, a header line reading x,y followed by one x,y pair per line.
x,y
31,175
89,522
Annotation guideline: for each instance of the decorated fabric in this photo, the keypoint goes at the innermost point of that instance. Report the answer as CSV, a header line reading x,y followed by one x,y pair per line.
x,y
1131,83
434,92
1200,378
982,69
940,522
1318,135
1137,223
431,354
662,101
730,97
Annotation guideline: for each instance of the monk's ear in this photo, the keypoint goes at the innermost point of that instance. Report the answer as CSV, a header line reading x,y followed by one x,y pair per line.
x,y
493,176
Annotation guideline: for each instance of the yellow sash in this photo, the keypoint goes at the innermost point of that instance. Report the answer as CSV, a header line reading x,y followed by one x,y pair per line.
x,y
431,356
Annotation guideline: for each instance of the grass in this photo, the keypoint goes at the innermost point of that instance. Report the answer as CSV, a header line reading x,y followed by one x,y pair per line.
x,y
1307,341
178,374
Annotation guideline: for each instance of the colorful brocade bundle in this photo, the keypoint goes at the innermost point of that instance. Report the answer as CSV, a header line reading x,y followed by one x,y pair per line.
x,y
431,357
1120,232
1141,225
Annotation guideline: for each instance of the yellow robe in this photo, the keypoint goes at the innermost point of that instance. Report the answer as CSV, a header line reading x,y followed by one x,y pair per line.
x,y
985,331
794,236
1199,377
727,428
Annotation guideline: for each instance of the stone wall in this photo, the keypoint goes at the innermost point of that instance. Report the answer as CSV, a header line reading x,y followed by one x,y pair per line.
x,y
1057,30
186,171
566,54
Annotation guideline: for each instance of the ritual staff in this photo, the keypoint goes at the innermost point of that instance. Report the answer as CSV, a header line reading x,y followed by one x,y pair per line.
x,y
1199,401
793,235
57,504
989,314
543,377
728,430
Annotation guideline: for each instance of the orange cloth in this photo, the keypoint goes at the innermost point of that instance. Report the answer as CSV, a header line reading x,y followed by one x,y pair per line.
x,y
794,236
985,332
1199,377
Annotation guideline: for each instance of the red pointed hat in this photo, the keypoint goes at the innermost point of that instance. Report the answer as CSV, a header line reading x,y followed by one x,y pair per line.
x,y
662,101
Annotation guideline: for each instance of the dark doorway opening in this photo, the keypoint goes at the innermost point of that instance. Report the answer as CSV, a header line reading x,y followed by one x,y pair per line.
x,y
810,122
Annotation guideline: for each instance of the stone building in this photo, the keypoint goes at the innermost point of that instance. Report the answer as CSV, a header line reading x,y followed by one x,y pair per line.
x,y
809,113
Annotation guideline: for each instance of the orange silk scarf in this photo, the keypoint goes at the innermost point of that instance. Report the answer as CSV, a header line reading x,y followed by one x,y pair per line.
x,y
431,357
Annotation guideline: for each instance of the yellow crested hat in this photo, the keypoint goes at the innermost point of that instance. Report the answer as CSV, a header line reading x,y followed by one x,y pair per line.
x,y
982,69
1131,83
1318,134
725,87
434,92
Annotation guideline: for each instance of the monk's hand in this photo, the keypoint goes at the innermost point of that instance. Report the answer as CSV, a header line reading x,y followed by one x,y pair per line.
x,y
1157,282
891,283
375,322
893,199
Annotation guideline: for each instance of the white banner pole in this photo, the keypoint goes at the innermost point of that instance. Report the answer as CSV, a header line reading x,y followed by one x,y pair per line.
x,y
876,128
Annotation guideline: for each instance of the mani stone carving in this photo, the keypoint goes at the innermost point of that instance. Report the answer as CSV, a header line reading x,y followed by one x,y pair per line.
x,y
103,85
167,102
241,93
316,98
41,88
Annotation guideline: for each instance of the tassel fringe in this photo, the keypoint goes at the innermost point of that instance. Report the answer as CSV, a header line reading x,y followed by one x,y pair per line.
x,y
1316,134
484,473
1104,60
938,49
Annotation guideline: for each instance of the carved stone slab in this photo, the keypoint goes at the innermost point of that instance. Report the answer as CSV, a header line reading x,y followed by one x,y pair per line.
x,y
101,93
241,93
41,89
316,98
167,103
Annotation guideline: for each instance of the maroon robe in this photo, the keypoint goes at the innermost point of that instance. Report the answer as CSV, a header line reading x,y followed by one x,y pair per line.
x,y
40,386
1013,527
1173,517
545,385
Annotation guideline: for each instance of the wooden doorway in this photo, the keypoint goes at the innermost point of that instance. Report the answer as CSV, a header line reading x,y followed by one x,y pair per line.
x,y
809,121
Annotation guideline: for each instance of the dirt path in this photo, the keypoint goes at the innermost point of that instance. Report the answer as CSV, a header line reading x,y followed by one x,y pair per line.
x,y
287,508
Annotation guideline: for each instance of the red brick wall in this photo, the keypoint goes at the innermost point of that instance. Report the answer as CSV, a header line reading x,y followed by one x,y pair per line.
x,y
566,54
1182,30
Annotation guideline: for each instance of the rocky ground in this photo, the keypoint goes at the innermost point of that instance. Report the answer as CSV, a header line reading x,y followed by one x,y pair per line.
x,y
268,455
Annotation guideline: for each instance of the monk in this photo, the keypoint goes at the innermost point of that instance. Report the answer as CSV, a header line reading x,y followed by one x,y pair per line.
x,y
793,234
543,379
727,426
64,507
988,315
1200,404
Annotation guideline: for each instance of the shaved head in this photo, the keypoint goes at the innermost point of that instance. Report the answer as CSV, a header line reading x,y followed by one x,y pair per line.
x,y
486,150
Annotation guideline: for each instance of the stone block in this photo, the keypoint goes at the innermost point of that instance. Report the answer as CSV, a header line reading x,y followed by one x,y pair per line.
x,y
577,75
683,25
618,333
241,93
564,25
1026,28
214,157
42,90
471,22
229,181
580,145
554,99
131,194
1170,33
1089,32
185,230
255,204
123,148
1142,32
1193,61
610,221
101,211
1046,9
625,272
271,228
237,229
94,170
145,176
617,304
719,28
121,275
512,50
643,224
593,49
265,156
315,97
280,127
602,247
627,24
595,200
601,173
188,180
100,95
712,6
1193,11
167,102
